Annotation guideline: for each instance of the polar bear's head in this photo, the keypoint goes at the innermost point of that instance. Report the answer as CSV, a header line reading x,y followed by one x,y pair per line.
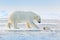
x,y
38,19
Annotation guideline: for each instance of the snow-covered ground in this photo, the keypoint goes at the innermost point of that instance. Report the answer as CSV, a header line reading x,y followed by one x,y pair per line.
x,y
51,33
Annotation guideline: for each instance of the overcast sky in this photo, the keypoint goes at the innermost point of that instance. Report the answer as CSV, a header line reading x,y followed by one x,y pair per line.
x,y
47,9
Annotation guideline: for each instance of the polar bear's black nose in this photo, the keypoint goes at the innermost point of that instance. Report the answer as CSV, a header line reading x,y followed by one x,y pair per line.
x,y
39,22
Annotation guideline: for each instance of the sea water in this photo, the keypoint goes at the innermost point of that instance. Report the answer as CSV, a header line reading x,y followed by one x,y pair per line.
x,y
27,35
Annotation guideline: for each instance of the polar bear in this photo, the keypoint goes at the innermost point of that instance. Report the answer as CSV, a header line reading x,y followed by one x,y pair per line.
x,y
20,16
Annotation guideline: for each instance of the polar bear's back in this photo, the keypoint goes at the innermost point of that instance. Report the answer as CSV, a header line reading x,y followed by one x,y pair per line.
x,y
21,15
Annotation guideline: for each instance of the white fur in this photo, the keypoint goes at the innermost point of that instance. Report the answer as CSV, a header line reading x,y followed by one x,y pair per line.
x,y
21,16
